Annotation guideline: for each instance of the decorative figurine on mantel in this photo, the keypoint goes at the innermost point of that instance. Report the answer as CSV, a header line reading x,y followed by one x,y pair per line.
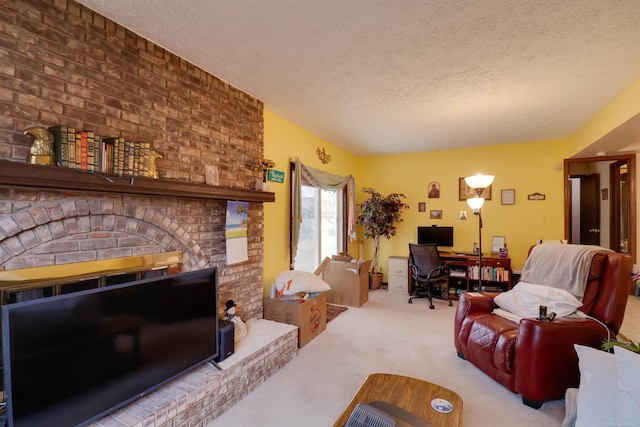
x,y
266,165
239,327
153,166
41,152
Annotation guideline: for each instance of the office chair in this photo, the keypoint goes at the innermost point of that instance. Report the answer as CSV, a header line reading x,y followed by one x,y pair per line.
x,y
427,271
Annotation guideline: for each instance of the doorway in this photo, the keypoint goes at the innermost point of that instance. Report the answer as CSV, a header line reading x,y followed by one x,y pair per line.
x,y
600,202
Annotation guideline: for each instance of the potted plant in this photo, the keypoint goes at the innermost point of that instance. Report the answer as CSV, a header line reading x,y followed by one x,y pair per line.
x,y
378,216
629,345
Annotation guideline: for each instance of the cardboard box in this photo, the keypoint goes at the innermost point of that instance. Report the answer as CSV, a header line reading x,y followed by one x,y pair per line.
x,y
349,281
309,316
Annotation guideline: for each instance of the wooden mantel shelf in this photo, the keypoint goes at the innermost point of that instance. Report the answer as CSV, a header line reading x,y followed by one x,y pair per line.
x,y
53,177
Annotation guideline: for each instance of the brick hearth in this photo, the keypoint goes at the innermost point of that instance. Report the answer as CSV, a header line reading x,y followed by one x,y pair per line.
x,y
203,394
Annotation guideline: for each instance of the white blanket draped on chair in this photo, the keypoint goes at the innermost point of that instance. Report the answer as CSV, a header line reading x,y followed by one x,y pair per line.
x,y
561,266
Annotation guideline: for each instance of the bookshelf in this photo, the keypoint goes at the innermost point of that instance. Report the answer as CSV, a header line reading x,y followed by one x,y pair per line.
x,y
464,273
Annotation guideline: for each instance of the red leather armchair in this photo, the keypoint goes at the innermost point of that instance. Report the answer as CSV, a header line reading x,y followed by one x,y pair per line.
x,y
535,358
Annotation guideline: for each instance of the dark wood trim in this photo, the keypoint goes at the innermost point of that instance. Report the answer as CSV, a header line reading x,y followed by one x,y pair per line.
x,y
53,177
631,159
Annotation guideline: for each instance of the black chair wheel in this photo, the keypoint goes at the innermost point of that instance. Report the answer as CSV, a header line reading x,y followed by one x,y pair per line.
x,y
410,301
450,303
432,306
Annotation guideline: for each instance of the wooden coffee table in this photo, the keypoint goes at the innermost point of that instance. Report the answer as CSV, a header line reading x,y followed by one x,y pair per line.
x,y
410,394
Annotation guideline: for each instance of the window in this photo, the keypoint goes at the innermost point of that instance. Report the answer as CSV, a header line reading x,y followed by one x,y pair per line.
x,y
322,230
322,215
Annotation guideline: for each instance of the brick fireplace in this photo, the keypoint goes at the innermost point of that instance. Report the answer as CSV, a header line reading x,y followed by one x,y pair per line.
x,y
63,64
43,227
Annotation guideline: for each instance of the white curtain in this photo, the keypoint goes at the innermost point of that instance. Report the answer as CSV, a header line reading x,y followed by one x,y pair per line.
x,y
327,181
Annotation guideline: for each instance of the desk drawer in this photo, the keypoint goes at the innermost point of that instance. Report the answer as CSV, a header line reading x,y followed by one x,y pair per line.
x,y
492,262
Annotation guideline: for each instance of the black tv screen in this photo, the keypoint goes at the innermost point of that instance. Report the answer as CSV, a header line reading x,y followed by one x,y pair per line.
x,y
441,236
73,358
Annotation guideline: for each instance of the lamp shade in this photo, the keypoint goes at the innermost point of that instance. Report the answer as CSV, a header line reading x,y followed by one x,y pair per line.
x,y
475,203
479,180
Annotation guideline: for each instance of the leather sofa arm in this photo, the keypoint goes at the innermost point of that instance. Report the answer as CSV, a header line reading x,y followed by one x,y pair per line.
x,y
470,302
545,359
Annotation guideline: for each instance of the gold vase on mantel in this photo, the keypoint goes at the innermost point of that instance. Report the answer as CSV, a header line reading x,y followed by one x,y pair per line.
x,y
41,151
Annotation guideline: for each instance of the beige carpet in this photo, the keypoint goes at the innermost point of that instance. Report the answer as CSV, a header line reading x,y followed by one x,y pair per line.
x,y
388,335
384,335
631,325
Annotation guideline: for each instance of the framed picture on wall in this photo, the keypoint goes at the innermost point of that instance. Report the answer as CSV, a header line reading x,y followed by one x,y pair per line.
x,y
434,190
465,192
435,214
508,197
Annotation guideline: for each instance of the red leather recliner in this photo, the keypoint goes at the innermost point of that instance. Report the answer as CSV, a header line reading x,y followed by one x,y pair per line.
x,y
535,358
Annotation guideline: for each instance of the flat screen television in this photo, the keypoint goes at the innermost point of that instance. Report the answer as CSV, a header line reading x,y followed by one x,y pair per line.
x,y
441,236
73,358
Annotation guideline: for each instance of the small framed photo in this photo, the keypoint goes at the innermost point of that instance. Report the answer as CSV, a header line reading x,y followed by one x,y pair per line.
x,y
435,214
497,243
422,207
605,193
465,192
463,215
434,190
508,197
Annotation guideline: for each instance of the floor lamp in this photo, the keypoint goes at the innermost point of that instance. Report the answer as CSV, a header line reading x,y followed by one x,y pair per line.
x,y
478,183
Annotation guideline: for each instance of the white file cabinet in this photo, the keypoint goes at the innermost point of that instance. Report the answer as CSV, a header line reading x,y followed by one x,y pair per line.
x,y
398,270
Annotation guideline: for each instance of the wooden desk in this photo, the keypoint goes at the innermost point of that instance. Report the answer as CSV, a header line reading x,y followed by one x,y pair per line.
x,y
463,273
411,394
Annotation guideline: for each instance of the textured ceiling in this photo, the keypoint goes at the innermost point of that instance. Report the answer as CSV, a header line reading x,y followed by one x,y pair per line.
x,y
398,76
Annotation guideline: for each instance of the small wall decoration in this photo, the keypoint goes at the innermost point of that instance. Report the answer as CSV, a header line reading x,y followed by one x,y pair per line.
x,y
465,192
275,176
211,175
323,156
434,190
422,207
605,193
508,197
435,214
463,215
536,196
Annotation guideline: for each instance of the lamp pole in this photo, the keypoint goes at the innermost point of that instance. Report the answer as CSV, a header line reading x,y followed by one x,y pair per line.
x,y
479,249
478,182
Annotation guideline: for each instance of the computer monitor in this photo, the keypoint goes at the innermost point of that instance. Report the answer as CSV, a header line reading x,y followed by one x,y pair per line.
x,y
441,236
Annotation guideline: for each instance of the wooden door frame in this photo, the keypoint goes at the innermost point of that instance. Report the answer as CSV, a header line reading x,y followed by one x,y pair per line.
x,y
631,159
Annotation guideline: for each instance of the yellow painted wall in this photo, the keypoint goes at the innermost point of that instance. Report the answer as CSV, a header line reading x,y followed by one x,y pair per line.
x,y
284,141
622,108
526,167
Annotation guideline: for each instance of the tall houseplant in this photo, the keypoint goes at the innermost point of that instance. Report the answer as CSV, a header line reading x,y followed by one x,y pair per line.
x,y
378,216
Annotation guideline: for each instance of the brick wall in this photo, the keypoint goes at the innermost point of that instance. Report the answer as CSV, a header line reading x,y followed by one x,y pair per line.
x,y
61,63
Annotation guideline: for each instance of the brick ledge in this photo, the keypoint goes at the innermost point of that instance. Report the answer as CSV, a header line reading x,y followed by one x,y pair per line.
x,y
204,393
